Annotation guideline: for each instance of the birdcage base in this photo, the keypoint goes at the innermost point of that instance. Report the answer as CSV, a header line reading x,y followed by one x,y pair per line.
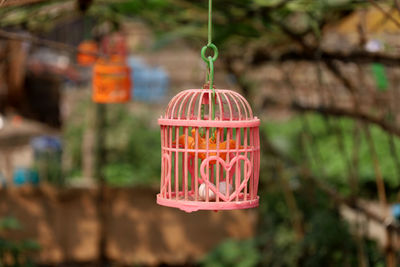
x,y
192,205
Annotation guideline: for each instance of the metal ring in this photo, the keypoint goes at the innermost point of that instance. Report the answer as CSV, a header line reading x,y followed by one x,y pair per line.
x,y
204,49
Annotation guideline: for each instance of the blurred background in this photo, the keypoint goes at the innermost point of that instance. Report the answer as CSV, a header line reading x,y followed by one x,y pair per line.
x,y
78,179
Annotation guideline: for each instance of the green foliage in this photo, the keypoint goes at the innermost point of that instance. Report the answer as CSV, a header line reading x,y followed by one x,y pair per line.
x,y
324,243
324,154
327,239
14,253
238,24
380,76
9,223
233,253
132,146
48,167
319,217
73,138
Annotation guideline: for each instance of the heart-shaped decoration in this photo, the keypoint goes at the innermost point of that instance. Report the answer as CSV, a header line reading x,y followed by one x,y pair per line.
x,y
228,167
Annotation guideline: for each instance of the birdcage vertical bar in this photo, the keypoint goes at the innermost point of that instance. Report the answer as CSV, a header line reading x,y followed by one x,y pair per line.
x,y
221,174
176,174
221,107
191,162
237,164
208,164
217,180
168,153
238,108
212,173
252,144
180,103
247,105
196,165
229,104
227,171
182,168
199,106
257,163
171,167
186,163
245,165
191,107
244,104
209,106
163,169
182,106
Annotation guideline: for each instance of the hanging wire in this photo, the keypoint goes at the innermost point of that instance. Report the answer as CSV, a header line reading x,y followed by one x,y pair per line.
x,y
209,22
210,60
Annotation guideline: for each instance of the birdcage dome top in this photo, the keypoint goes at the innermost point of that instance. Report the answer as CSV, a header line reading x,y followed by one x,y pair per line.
x,y
193,107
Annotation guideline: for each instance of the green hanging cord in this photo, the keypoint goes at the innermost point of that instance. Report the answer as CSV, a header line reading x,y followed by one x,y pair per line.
x,y
209,22
211,66
210,60
211,83
209,44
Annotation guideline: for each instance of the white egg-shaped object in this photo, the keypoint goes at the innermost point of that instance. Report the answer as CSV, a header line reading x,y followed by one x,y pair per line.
x,y
211,194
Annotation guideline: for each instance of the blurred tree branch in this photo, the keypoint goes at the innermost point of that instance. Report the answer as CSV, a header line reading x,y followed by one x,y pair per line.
x,y
12,3
384,12
39,41
263,56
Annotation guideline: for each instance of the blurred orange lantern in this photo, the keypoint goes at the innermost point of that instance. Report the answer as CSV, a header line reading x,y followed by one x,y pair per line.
x,y
87,53
111,82
117,58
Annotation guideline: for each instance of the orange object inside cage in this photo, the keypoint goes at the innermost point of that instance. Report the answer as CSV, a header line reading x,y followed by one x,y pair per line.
x,y
87,54
111,82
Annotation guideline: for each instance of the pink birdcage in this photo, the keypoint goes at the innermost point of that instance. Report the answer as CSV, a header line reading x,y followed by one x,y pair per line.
x,y
210,153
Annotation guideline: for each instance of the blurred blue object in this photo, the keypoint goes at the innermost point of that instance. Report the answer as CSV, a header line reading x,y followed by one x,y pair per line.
x,y
34,177
21,176
24,176
396,211
149,84
45,144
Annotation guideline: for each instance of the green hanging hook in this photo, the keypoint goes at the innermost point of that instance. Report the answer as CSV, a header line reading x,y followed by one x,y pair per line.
x,y
204,49
211,79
